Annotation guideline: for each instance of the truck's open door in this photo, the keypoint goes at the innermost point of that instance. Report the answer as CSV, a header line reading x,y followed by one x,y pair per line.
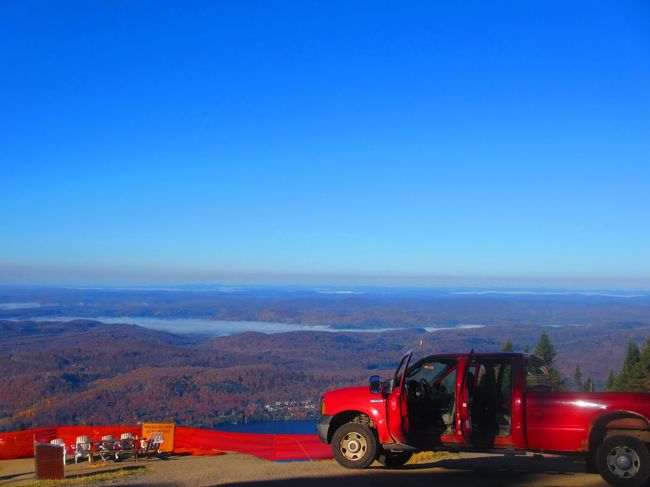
x,y
397,403
467,383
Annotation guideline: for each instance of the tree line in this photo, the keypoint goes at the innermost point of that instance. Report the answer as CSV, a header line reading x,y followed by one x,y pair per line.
x,y
635,372
546,350
634,375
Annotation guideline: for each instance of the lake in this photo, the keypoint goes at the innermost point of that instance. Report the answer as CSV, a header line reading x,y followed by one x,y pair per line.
x,y
212,328
217,328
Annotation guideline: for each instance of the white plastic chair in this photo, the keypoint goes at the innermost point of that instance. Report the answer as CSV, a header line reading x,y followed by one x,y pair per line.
x,y
107,447
83,448
126,444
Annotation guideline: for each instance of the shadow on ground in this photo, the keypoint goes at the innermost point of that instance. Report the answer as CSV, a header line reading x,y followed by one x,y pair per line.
x,y
465,472
461,472
13,476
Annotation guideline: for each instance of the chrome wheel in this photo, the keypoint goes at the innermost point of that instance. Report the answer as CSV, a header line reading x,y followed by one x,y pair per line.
x,y
623,462
353,446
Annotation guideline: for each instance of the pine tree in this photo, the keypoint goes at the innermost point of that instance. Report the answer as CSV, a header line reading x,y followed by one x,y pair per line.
x,y
507,346
645,357
610,385
545,349
577,378
632,375
645,365
633,356
557,381
589,385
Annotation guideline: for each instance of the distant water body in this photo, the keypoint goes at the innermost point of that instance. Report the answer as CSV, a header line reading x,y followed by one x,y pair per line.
x,y
217,328
214,328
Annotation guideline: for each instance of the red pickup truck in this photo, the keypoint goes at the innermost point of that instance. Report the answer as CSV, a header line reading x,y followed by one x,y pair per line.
x,y
492,402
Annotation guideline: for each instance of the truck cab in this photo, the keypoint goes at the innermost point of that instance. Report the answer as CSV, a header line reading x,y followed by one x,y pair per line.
x,y
487,402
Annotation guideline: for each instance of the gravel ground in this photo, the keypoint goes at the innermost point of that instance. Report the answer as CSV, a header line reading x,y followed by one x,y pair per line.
x,y
245,471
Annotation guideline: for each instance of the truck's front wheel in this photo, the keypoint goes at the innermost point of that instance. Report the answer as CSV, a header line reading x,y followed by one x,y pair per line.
x,y
354,445
623,461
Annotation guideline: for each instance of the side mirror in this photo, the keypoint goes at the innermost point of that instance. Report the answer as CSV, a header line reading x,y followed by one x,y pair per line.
x,y
375,384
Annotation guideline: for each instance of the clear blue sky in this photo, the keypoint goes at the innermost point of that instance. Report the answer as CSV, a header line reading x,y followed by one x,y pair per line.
x,y
467,143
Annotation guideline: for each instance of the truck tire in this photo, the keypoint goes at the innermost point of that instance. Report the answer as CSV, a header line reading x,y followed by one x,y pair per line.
x,y
354,445
623,461
394,459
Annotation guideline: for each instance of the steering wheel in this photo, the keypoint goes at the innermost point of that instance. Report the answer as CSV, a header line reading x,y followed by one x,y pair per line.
x,y
426,387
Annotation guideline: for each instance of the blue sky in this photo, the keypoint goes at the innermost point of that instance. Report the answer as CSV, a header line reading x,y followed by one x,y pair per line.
x,y
456,143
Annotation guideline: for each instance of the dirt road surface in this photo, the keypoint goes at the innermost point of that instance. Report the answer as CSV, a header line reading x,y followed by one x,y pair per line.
x,y
244,471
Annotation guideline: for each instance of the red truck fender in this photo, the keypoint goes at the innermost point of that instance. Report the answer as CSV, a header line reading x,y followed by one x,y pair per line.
x,y
372,418
624,423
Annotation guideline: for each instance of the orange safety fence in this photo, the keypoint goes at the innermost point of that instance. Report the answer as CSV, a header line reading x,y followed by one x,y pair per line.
x,y
20,444
195,441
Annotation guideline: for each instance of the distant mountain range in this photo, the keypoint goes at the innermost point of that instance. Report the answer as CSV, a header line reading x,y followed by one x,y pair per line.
x,y
359,307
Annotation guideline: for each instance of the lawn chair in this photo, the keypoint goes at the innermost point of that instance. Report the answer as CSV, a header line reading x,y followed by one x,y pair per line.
x,y
83,448
61,443
106,448
153,443
125,447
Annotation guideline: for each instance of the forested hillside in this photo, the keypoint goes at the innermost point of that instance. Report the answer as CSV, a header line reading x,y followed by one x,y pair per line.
x,y
88,372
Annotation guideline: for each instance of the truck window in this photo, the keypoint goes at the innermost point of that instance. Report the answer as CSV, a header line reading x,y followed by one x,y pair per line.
x,y
537,375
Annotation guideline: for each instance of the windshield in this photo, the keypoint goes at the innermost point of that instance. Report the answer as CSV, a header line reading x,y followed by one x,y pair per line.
x,y
438,373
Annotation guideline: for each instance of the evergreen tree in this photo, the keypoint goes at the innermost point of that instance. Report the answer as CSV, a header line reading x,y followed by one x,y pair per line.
x,y
633,355
545,349
577,378
645,358
507,346
610,385
645,365
557,381
589,385
632,375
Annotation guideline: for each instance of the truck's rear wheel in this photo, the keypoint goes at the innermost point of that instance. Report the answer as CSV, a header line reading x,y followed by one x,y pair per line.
x,y
394,459
354,445
623,461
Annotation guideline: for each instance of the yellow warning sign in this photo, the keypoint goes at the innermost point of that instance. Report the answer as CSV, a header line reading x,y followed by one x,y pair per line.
x,y
153,432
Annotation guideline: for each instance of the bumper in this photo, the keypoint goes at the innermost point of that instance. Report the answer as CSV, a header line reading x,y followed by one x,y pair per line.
x,y
324,427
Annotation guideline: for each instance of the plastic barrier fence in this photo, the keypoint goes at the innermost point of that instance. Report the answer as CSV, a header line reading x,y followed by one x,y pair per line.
x,y
20,444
